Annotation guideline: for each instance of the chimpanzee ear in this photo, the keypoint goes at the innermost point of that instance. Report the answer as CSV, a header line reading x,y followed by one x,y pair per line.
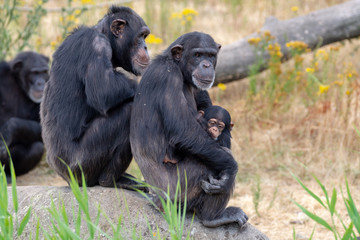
x,y
231,125
117,27
16,66
176,52
218,46
200,114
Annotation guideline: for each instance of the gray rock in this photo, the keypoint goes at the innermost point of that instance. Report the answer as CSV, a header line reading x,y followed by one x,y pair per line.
x,y
137,215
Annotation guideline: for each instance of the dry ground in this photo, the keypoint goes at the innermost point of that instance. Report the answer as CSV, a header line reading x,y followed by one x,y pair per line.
x,y
267,147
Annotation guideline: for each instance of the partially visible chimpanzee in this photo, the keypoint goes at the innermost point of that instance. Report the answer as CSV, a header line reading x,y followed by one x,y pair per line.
x,y
218,124
216,121
164,119
22,82
86,110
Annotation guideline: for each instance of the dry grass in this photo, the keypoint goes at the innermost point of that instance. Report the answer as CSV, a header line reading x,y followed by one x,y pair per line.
x,y
266,146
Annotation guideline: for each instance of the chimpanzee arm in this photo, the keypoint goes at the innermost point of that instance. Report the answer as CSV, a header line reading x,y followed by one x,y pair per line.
x,y
106,88
23,130
202,99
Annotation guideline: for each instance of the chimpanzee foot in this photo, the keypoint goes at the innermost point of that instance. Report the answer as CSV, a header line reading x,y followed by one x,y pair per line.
x,y
230,215
129,182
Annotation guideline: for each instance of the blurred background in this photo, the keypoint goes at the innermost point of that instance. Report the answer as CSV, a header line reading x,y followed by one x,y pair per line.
x,y
301,116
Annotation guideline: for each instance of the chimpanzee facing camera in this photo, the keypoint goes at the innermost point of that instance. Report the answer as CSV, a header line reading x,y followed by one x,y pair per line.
x,y
164,123
21,91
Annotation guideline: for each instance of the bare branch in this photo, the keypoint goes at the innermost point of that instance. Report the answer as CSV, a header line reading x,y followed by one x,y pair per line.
x,y
317,29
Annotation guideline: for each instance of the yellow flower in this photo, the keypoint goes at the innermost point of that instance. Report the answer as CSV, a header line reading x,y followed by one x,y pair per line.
x,y
77,12
267,34
323,89
323,54
298,45
189,11
310,70
294,8
334,48
222,86
189,18
70,18
349,75
348,92
151,39
254,41
40,2
339,83
175,15
53,45
87,2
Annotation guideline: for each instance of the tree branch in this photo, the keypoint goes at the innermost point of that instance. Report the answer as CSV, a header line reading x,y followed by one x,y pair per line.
x,y
316,29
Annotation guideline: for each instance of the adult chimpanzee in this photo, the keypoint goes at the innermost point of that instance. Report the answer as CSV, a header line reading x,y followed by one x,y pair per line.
x,y
164,119
85,114
22,83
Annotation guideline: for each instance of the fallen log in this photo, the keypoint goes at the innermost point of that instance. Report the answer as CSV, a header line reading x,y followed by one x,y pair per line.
x,y
316,29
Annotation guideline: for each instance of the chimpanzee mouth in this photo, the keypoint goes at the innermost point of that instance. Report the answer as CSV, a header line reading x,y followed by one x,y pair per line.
x,y
36,96
143,65
203,83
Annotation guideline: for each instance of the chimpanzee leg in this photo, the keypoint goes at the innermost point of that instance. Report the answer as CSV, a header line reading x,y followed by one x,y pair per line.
x,y
104,151
211,209
26,158
213,212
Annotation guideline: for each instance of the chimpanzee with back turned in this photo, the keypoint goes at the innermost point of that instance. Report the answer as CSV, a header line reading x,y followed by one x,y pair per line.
x,y
22,82
164,120
216,121
86,110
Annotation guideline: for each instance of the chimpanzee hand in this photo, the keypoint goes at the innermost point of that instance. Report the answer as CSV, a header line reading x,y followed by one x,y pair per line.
x,y
216,186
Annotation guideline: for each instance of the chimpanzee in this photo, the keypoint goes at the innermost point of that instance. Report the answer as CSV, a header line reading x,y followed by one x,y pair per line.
x,y
21,89
86,110
164,119
216,121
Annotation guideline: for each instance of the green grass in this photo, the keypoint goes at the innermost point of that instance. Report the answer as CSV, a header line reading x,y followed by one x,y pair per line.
x,y
351,230
65,225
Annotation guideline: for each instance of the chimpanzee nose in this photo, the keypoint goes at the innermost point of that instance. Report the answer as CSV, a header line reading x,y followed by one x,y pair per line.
x,y
206,65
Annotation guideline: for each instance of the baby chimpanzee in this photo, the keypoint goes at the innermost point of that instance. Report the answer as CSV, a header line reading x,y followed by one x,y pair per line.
x,y
217,122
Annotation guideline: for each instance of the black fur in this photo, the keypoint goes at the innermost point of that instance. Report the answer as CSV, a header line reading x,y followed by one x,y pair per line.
x,y
86,112
164,120
22,82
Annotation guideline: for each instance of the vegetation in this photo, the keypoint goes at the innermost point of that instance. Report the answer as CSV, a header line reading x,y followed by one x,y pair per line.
x,y
300,113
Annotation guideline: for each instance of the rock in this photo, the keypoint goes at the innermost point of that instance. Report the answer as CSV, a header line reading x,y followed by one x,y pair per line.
x,y
137,215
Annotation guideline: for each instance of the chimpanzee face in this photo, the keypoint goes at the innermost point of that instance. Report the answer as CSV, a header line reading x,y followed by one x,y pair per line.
x,y
198,59
128,37
32,72
215,127
139,54
203,67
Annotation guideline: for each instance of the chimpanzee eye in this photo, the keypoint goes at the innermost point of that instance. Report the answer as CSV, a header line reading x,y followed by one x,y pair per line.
x,y
197,54
211,123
